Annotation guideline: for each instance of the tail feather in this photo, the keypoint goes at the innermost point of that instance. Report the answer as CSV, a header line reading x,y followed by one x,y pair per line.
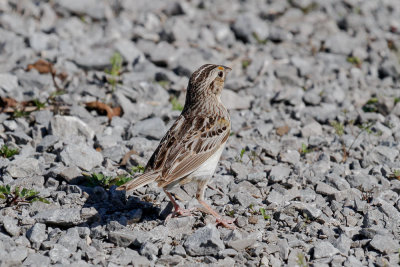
x,y
138,182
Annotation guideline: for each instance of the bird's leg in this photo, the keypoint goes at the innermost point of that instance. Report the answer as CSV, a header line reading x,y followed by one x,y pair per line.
x,y
200,198
177,209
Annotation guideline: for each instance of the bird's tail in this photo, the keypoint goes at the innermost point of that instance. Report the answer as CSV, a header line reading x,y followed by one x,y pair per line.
x,y
138,182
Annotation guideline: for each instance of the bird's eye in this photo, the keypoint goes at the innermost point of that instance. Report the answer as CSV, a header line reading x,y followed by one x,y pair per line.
x,y
221,74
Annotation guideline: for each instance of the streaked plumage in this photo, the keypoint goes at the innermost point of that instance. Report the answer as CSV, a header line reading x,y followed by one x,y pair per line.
x,y
191,148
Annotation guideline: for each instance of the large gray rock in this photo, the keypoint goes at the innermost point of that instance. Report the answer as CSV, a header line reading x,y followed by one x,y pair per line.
x,y
93,8
129,51
324,249
8,82
313,128
36,260
23,167
205,241
59,252
66,126
384,244
70,239
250,28
153,128
11,226
279,173
61,217
82,156
232,100
37,234
124,238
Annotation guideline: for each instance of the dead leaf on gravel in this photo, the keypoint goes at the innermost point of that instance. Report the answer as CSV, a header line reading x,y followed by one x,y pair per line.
x,y
103,108
126,157
7,102
42,66
281,131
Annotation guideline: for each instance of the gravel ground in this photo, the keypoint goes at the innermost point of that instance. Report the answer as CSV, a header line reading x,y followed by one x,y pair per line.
x,y
311,171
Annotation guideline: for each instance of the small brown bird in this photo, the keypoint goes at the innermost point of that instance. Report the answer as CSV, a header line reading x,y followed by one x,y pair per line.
x,y
190,150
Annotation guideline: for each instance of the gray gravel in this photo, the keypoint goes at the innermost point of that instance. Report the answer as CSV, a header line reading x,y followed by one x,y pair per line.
x,y
310,172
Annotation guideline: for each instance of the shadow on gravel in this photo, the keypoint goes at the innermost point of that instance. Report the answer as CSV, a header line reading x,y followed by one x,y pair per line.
x,y
105,206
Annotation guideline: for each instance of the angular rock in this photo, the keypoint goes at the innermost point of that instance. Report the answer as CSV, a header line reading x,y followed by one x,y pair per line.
x,y
290,156
8,82
325,189
313,128
384,244
279,173
66,126
23,167
153,128
37,234
11,226
205,241
82,156
324,249
36,260
60,217
250,28
93,8
232,100
70,240
59,252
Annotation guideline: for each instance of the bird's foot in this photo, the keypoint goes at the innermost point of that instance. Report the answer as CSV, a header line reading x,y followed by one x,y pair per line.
x,y
227,223
180,212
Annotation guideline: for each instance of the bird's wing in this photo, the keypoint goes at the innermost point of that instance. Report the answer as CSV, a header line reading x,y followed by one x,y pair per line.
x,y
187,145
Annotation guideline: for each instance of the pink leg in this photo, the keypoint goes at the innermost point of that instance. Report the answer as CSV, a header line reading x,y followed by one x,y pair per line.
x,y
200,195
177,210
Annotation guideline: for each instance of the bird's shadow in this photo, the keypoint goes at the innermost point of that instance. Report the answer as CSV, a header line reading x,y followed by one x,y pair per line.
x,y
105,206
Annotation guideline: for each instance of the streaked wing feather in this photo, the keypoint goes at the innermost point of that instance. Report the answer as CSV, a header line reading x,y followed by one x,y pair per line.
x,y
209,137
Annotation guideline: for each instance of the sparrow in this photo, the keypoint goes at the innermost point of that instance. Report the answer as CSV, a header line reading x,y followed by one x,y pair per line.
x,y
190,150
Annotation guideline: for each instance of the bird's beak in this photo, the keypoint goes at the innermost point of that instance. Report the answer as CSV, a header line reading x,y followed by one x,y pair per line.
x,y
227,69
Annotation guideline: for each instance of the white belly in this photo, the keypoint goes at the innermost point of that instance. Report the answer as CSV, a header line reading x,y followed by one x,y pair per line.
x,y
207,169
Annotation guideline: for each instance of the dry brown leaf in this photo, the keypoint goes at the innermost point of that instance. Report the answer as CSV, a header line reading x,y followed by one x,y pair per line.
x,y
127,156
103,108
6,102
281,131
42,66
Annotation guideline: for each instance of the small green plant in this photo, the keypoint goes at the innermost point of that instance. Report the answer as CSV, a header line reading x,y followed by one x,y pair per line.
x,y
396,100
371,105
114,72
355,61
7,152
264,214
137,169
163,83
175,104
253,156
16,196
258,39
56,93
306,218
245,63
240,157
19,113
339,127
120,180
99,179
395,174
304,149
39,105
230,213
301,260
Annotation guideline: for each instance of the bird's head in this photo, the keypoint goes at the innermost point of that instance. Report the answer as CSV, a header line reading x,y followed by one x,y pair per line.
x,y
206,81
